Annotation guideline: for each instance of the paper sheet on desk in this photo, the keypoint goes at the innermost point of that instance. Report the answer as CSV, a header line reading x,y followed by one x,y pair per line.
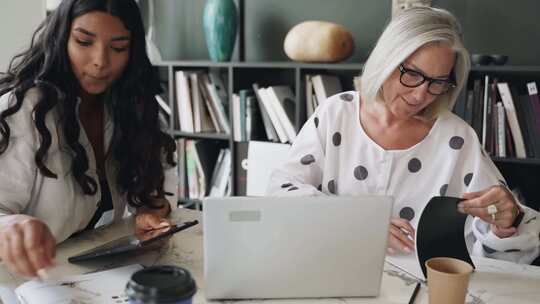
x,y
440,232
502,282
100,287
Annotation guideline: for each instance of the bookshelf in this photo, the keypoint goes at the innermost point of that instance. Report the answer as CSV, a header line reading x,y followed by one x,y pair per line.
x,y
241,75
519,172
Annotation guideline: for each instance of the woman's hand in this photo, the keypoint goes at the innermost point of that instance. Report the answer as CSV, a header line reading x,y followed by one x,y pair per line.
x,y
26,245
501,216
401,236
150,219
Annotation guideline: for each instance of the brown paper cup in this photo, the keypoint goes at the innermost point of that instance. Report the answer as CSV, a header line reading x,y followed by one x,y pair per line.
x,y
447,280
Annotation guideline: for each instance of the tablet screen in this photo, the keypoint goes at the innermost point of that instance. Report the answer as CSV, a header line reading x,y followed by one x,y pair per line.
x,y
131,242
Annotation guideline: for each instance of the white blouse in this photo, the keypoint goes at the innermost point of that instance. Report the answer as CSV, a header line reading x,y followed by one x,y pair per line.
x,y
332,155
60,202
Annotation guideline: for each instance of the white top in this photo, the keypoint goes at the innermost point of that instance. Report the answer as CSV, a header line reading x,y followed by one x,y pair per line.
x,y
333,155
60,202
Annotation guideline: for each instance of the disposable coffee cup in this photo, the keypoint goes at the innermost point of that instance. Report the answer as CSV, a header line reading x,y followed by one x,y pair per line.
x,y
161,284
447,280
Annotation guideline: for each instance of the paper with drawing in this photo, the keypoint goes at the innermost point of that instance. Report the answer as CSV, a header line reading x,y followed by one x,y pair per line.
x,y
440,232
100,287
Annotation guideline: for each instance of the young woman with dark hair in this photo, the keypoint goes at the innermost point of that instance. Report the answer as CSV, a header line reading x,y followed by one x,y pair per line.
x,y
80,137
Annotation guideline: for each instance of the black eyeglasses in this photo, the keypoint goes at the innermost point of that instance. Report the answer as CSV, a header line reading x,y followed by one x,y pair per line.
x,y
412,79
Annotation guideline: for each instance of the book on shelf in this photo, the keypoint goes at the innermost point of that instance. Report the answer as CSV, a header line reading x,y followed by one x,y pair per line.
x,y
523,120
534,102
181,155
164,110
201,117
326,86
271,133
268,104
217,80
511,115
310,106
485,111
183,99
221,176
501,131
217,104
193,172
212,112
283,100
477,116
240,160
526,119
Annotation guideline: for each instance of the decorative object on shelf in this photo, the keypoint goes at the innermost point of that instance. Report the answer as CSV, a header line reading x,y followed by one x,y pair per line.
x,y
400,5
318,41
483,59
220,22
498,59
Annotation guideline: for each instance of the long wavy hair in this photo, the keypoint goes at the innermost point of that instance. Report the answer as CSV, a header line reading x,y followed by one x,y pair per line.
x,y
139,147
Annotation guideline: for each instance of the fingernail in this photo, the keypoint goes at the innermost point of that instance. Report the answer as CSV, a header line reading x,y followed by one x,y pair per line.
x,y
460,205
407,249
391,250
461,209
164,224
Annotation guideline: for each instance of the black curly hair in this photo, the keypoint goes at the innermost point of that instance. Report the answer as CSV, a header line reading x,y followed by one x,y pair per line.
x,y
138,145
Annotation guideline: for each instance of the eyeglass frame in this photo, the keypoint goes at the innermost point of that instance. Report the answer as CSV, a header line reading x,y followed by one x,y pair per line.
x,y
403,70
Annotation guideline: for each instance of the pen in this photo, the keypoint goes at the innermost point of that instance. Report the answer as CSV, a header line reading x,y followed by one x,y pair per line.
x,y
414,293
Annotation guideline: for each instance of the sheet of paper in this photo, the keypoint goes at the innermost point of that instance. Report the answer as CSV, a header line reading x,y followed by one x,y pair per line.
x,y
440,232
100,287
263,158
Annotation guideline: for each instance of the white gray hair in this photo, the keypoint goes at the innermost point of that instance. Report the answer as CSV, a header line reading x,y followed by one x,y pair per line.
x,y
407,32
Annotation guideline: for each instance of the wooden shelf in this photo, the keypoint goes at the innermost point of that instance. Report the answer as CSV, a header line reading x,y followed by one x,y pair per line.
x,y
216,136
506,68
513,160
270,64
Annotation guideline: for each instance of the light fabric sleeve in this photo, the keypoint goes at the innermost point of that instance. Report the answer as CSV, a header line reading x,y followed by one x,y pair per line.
x,y
18,171
523,247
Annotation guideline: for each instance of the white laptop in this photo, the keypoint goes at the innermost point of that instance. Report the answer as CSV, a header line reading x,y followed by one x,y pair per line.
x,y
294,247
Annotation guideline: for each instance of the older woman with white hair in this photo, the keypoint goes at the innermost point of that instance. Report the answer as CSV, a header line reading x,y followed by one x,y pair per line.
x,y
395,135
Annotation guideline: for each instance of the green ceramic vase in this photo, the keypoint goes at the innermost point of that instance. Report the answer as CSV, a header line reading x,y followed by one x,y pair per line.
x,y
220,21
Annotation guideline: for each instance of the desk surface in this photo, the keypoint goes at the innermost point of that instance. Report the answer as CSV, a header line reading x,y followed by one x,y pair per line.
x,y
493,281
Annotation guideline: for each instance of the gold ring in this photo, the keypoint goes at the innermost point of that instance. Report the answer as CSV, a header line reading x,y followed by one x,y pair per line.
x,y
492,209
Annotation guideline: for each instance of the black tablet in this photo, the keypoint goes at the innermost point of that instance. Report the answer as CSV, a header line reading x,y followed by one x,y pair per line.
x,y
129,243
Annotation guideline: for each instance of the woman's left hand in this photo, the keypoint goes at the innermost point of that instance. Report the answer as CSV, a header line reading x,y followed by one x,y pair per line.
x,y
146,221
150,219
495,205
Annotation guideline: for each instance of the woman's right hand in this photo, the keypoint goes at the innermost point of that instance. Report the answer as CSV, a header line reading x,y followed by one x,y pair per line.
x,y
401,236
26,244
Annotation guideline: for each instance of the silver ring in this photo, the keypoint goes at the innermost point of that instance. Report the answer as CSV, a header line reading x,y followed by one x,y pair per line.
x,y
493,216
492,209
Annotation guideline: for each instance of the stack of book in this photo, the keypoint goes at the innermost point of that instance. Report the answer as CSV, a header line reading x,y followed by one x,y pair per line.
x,y
318,88
505,116
204,169
201,102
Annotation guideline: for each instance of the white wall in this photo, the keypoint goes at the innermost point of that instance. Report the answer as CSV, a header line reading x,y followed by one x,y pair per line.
x,y
18,21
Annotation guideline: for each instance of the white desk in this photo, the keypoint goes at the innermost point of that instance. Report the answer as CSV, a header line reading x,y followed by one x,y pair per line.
x,y
489,284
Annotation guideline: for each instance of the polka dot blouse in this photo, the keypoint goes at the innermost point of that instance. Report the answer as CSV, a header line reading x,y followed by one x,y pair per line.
x,y
332,155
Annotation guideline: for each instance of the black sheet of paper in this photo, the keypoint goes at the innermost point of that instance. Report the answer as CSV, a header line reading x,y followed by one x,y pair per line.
x,y
441,231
